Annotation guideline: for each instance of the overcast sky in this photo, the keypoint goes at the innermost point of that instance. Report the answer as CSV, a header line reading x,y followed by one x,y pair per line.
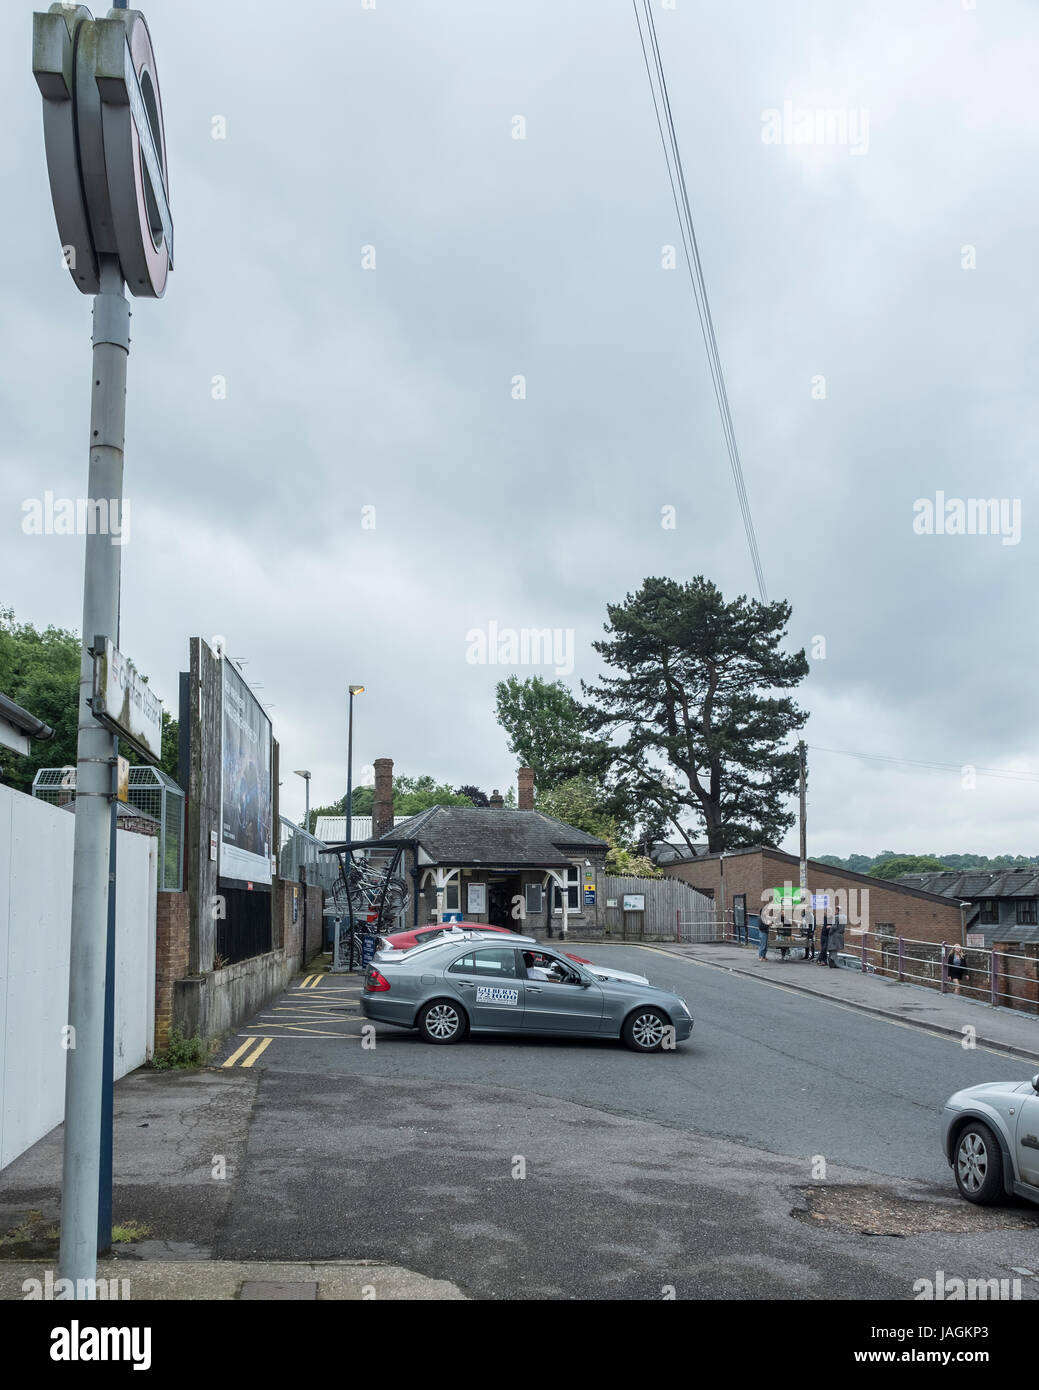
x,y
495,257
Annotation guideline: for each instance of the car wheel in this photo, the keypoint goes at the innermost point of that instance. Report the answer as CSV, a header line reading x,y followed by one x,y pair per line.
x,y
645,1030
441,1021
978,1165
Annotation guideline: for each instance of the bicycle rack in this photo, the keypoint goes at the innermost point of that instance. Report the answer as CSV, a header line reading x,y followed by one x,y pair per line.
x,y
379,878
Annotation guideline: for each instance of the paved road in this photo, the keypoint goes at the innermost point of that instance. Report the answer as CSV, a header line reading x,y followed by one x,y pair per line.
x,y
765,1066
565,1170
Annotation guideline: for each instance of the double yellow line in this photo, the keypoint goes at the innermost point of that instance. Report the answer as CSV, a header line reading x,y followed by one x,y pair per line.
x,y
312,982
264,1045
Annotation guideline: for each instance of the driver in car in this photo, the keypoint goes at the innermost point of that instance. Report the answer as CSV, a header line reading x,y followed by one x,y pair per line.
x,y
535,972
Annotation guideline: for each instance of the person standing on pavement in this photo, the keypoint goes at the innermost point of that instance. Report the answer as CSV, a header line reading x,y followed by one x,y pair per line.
x,y
763,922
824,939
808,932
835,943
957,969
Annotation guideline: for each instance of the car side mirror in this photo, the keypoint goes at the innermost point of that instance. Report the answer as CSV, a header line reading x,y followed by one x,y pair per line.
x,y
1035,1082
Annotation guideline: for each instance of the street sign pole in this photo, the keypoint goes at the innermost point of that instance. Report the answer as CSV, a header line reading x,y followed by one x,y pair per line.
x,y
106,161
84,1068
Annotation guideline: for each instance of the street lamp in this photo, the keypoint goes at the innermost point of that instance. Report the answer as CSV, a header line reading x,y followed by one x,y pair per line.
x,y
354,690
306,814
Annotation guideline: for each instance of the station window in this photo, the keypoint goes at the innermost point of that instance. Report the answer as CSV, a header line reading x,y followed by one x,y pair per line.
x,y
573,891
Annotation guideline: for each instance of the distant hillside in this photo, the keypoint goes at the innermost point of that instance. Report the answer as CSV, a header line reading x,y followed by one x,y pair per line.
x,y
863,863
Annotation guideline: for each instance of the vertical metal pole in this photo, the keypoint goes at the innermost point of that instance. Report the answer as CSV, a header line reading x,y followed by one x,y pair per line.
x,y
104,1190
804,834
901,958
84,1067
349,817
306,813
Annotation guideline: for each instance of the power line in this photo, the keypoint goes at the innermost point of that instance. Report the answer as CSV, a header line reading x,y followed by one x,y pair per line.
x,y
690,247
1008,775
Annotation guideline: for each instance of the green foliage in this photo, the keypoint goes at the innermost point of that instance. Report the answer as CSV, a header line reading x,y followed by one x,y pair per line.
x,y
893,866
924,863
410,796
692,734
579,802
546,727
39,670
182,1052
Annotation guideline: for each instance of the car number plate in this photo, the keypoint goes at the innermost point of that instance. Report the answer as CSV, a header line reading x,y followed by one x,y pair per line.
x,y
486,994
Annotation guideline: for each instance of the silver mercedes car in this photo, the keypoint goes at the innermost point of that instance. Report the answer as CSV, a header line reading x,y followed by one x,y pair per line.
x,y
990,1135
450,988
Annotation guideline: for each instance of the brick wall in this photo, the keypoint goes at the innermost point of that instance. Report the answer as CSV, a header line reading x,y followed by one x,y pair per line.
x,y
172,929
1018,975
911,913
289,934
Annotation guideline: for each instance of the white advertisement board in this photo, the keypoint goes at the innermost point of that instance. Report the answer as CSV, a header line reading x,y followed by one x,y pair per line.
x,y
245,783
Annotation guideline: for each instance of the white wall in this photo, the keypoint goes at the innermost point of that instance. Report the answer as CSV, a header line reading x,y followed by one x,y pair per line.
x,y
36,844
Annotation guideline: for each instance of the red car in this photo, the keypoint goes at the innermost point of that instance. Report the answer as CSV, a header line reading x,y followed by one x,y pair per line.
x,y
405,940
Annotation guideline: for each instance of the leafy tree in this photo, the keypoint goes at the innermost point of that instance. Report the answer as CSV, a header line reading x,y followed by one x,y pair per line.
x,y
475,795
894,865
577,802
545,724
410,796
39,670
690,695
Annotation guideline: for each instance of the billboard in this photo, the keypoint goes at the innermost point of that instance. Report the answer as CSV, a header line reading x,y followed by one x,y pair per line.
x,y
245,783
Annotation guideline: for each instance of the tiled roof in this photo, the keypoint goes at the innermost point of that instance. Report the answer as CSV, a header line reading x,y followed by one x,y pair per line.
x,y
481,835
977,883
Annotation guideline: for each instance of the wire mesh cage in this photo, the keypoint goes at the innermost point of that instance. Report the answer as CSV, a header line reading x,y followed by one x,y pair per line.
x,y
152,793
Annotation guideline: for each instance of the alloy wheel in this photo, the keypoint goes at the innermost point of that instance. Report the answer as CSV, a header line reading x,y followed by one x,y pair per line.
x,y
442,1021
972,1162
647,1031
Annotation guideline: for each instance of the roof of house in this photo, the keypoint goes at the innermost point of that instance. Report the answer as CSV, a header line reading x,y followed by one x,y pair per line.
x,y
669,851
899,885
1018,936
474,835
976,883
21,720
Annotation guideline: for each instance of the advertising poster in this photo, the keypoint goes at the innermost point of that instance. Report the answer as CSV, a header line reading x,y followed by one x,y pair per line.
x,y
245,783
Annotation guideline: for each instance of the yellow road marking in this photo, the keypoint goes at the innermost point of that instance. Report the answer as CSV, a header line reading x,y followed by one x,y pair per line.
x,y
306,982
262,1048
235,1055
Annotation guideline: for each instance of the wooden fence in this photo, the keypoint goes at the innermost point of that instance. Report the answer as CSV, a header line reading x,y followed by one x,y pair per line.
x,y
658,909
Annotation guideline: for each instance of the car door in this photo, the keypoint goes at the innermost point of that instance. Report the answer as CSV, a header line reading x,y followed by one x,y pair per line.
x,y
490,985
570,1005
1028,1140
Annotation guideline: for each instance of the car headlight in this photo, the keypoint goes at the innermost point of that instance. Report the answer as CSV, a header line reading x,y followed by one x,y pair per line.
x,y
684,1008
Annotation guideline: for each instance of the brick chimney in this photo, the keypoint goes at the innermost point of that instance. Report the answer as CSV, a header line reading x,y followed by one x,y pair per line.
x,y
495,800
525,777
382,801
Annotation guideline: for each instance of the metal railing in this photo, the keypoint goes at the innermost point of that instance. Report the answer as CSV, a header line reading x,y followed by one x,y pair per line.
x,y
1003,979
152,792
298,850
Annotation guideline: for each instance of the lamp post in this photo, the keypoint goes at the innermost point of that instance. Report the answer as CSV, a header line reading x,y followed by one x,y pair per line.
x,y
306,813
354,690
